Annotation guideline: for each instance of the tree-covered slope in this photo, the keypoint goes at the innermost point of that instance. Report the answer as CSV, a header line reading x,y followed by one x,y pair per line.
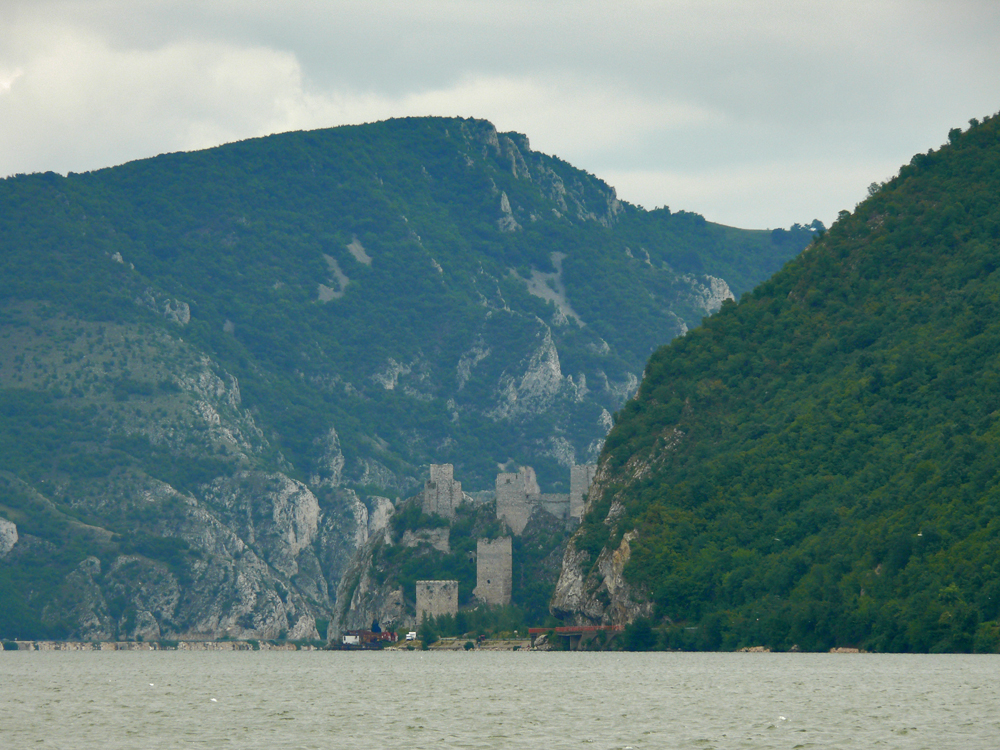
x,y
390,278
819,464
218,367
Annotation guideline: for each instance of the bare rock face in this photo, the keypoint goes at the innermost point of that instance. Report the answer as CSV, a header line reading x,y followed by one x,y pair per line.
x,y
8,536
275,515
361,599
173,310
506,222
601,597
709,292
83,600
243,562
251,535
250,554
598,594
330,465
379,516
537,388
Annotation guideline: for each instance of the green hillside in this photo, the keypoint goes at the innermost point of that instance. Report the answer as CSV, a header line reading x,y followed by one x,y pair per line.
x,y
244,235
819,465
219,369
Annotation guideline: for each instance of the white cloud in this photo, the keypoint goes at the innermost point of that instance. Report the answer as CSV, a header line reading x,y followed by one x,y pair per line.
x,y
80,104
90,104
7,79
716,106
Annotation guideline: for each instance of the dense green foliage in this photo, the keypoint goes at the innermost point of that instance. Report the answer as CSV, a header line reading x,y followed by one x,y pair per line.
x,y
492,622
244,232
355,279
819,464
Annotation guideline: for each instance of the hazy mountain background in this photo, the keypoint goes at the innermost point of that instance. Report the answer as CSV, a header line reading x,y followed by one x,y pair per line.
x,y
219,369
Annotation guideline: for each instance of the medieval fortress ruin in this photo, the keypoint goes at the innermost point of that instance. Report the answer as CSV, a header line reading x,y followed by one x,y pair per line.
x,y
494,563
518,497
436,598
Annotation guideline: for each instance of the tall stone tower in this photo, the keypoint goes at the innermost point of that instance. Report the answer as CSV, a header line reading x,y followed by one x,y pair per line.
x,y
442,494
580,479
516,497
493,571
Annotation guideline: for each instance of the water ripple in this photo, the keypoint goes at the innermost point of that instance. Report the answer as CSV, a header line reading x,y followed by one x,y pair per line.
x,y
470,700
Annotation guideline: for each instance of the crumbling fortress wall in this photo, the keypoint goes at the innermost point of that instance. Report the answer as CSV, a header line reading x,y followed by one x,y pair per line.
x,y
436,598
518,496
493,571
442,494
436,538
512,501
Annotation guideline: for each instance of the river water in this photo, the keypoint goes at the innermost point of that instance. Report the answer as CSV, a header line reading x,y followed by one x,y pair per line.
x,y
152,700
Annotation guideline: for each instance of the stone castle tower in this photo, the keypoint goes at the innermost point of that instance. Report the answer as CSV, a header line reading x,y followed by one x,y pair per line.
x,y
442,494
580,479
513,491
518,496
436,598
493,571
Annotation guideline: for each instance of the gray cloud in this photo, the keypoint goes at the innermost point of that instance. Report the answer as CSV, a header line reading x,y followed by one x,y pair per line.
x,y
755,114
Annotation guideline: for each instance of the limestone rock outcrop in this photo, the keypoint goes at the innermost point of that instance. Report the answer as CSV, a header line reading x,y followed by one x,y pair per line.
x,y
598,594
8,536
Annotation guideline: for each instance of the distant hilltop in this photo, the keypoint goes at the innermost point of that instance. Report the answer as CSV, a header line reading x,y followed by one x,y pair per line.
x,y
220,370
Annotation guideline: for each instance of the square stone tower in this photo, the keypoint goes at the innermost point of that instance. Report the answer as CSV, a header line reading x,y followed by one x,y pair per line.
x,y
493,571
436,598
513,505
442,494
580,479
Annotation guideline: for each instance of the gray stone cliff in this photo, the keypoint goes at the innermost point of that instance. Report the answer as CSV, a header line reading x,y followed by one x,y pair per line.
x,y
589,594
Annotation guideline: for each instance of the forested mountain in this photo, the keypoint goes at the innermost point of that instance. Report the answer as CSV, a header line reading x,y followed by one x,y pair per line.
x,y
818,465
217,369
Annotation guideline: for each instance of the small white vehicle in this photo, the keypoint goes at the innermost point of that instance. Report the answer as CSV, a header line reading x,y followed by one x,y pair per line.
x,y
412,635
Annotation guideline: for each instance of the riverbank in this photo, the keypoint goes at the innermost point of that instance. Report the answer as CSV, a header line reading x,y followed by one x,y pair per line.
x,y
156,646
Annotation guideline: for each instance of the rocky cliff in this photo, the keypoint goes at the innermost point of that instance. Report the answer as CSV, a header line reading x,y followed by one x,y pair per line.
x,y
220,370
591,589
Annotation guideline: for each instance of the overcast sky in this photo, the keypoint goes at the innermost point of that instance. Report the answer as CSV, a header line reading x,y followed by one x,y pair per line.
x,y
753,113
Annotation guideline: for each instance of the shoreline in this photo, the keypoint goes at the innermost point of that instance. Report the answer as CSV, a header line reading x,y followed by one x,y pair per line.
x,y
158,646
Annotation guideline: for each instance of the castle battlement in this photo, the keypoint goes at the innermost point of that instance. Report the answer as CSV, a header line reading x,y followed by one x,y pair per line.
x,y
518,496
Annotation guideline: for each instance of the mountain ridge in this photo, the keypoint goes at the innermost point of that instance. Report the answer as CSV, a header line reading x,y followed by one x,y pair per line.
x,y
292,328
814,467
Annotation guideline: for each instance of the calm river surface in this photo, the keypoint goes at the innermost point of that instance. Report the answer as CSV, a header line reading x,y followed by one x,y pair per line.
x,y
118,700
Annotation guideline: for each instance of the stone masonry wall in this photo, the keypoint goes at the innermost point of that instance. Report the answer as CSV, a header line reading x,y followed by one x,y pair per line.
x,y
442,494
436,538
580,479
518,496
555,505
436,598
512,501
493,571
